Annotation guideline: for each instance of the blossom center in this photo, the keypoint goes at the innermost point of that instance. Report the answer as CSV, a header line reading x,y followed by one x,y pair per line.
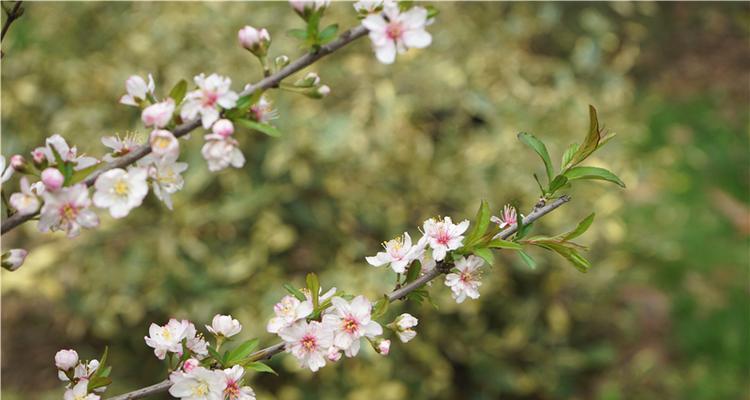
x,y
69,211
166,334
210,98
443,237
121,188
394,31
309,343
232,391
201,389
350,325
466,277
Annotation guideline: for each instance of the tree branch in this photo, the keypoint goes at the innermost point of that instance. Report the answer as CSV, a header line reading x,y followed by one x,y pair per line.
x,y
266,83
397,294
12,15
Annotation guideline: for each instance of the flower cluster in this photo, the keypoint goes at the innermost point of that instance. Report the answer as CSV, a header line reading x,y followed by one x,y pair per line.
x,y
83,378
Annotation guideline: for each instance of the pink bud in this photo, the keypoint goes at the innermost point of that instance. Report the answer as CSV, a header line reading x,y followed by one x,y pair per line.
x,y
66,359
189,364
223,128
18,162
13,259
254,40
384,347
52,179
158,115
38,155
334,354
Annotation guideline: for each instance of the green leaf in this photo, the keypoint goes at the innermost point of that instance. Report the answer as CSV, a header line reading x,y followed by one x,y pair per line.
x,y
269,130
557,184
523,229
568,155
327,34
541,150
413,272
81,174
313,285
97,382
242,351
592,138
481,222
503,244
103,363
567,252
178,91
580,229
432,12
527,259
486,254
300,34
594,173
216,356
295,292
380,308
260,367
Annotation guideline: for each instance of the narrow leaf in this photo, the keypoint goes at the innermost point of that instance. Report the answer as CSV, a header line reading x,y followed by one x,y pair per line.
x,y
380,308
300,34
242,350
594,173
260,367
580,229
485,254
327,34
540,149
81,174
313,285
527,259
481,222
592,138
413,272
269,130
568,155
295,292
178,91
503,244
557,184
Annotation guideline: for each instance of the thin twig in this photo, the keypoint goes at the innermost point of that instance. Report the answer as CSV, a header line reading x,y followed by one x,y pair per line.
x,y
397,294
266,83
11,15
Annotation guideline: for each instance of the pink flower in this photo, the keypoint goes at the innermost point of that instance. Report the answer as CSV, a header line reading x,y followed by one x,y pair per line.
x,y
52,179
121,190
190,364
213,93
384,347
67,209
350,322
263,110
198,384
66,359
120,146
308,342
221,152
66,153
288,311
223,128
137,90
80,392
465,281
164,144
334,354
25,202
395,32
254,40
507,218
232,385
158,115
444,236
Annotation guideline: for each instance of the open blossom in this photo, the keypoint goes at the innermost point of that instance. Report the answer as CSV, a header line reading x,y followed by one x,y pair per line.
x,y
164,144
263,110
120,146
13,259
403,325
195,342
159,114
222,152
465,282
137,90
507,218
80,392
66,359
25,201
288,311
67,209
83,370
198,384
167,338
395,32
120,191
350,322
52,179
444,236
232,381
66,153
399,253
224,325
166,176
213,92
308,342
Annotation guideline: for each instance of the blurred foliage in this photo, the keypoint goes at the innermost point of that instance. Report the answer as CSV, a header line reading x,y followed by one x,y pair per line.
x,y
662,314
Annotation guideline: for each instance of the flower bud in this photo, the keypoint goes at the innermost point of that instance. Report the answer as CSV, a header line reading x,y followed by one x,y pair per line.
x,y
254,40
66,359
190,364
158,115
13,259
18,163
223,128
53,179
318,92
164,144
310,80
224,325
334,354
403,325
306,8
384,347
38,157
281,61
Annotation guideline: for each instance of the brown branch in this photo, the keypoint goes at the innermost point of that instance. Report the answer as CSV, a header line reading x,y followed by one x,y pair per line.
x,y
266,83
397,294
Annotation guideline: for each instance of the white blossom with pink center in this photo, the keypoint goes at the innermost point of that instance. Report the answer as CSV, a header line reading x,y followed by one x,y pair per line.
x,y
263,110
350,322
465,281
399,253
195,342
395,32
507,218
198,384
159,114
67,209
308,342
288,311
233,389
213,93
444,236
120,146
167,338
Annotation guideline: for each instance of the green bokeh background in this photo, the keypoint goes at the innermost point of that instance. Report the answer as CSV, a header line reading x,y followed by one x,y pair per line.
x,y
663,314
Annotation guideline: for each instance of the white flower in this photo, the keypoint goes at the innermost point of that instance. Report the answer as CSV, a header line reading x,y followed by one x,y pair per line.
x,y
254,40
368,6
166,178
232,381
66,153
167,338
137,90
159,114
308,342
213,92
52,179
465,282
288,311
350,322
120,146
221,152
399,252
396,31
263,110
67,209
198,384
384,347
6,173
224,325
80,392
120,191
425,258
164,144
508,217
195,342
82,371
223,128
25,201
13,259
403,325
443,236
66,359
